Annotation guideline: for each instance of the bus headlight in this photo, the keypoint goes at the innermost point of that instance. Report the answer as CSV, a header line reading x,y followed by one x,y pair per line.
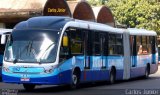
x,y
5,69
48,71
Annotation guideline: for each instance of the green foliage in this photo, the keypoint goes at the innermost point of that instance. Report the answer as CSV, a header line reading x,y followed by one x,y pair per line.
x,y
137,13
97,2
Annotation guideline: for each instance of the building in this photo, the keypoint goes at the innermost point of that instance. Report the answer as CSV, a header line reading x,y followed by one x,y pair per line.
x,y
15,11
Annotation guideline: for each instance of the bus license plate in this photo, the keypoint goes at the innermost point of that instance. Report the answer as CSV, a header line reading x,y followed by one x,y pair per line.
x,y
25,79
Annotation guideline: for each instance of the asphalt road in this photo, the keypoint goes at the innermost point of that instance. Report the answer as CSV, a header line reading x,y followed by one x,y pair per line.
x,y
138,86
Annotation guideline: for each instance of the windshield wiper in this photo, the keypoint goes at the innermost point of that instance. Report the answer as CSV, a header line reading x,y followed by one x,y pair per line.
x,y
39,60
30,49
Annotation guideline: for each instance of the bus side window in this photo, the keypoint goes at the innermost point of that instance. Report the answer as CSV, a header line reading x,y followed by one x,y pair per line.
x,y
139,45
148,45
153,44
144,45
64,50
115,44
119,44
77,42
140,50
96,43
132,44
64,46
112,41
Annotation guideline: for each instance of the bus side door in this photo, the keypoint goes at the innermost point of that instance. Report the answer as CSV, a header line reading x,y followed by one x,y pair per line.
x,y
87,74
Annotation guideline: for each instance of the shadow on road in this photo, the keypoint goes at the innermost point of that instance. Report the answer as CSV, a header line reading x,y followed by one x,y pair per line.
x,y
82,88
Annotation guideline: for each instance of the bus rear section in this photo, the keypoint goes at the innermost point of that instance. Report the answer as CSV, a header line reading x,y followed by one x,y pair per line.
x,y
144,52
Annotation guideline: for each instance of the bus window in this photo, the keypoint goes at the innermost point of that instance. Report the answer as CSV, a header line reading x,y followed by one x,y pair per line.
x,y
115,44
77,41
139,45
96,43
140,50
64,50
103,42
148,45
144,45
112,41
76,44
119,44
131,44
89,42
153,44
105,46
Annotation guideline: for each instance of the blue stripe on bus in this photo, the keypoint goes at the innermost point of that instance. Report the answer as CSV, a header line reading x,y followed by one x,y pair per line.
x,y
62,78
95,73
95,62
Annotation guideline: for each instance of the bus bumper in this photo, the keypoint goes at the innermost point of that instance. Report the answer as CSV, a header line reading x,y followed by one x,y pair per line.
x,y
58,79
41,80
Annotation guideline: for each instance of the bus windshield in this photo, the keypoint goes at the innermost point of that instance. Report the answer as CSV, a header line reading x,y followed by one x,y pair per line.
x,y
32,46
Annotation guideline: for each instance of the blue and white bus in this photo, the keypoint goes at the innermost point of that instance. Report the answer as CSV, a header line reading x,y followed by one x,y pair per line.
x,y
2,44
54,50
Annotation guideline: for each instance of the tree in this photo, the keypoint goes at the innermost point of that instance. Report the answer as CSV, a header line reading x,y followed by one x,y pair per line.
x,y
97,2
137,13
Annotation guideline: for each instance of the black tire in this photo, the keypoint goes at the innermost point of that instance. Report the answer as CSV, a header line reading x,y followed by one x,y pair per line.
x,y
29,87
112,77
75,80
147,72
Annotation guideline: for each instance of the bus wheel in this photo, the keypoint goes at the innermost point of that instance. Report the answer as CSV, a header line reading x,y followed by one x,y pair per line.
x,y
147,71
75,80
29,87
112,77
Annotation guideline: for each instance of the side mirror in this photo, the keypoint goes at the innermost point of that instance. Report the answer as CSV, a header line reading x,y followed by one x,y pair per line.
x,y
65,41
3,39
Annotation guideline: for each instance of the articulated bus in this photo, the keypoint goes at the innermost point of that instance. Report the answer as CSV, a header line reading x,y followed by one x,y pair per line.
x,y
55,50
2,44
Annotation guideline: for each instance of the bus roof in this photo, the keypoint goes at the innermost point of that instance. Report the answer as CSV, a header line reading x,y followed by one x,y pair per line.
x,y
135,31
63,22
43,22
3,31
93,26
100,27
60,22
